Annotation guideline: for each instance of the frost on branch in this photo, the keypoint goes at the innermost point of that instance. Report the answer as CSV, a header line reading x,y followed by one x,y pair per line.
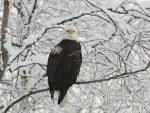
x,y
114,76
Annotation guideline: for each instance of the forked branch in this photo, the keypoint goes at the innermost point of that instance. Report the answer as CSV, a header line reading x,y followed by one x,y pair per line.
x,y
122,75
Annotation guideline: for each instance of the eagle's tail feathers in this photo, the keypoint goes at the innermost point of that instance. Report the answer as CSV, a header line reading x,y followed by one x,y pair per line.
x,y
51,91
62,98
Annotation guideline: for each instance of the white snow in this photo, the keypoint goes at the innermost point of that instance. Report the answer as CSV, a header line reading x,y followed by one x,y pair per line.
x,y
104,55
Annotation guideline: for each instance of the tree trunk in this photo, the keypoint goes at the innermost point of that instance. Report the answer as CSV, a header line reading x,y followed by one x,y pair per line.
x,y
4,53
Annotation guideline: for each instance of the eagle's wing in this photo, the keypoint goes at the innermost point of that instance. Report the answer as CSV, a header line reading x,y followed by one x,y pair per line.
x,y
56,55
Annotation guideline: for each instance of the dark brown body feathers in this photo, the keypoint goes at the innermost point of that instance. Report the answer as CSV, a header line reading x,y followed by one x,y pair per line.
x,y
63,66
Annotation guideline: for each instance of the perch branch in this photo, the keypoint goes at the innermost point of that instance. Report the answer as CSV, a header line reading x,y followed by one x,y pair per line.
x,y
21,98
123,75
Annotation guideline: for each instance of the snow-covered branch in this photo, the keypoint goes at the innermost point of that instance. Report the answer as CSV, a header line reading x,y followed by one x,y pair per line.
x,y
18,100
34,38
115,50
122,75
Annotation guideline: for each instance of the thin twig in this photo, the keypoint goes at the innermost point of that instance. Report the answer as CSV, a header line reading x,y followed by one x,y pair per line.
x,y
21,98
102,10
123,75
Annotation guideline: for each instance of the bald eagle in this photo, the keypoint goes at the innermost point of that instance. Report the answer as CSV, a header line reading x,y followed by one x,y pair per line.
x,y
64,65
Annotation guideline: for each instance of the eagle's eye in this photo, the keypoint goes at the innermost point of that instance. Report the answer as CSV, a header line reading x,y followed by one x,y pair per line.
x,y
70,31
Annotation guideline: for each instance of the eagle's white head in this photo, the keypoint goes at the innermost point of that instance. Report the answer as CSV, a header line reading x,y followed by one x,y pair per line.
x,y
70,33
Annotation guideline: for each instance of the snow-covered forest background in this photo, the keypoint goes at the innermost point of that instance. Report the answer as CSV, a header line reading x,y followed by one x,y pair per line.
x,y
115,72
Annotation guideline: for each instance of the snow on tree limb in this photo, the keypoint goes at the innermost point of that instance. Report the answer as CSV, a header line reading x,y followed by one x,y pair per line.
x,y
38,59
116,50
119,76
18,100
33,38
122,75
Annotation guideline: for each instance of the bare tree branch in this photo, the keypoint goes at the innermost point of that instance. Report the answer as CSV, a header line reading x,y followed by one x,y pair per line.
x,y
102,10
48,28
33,10
123,75
81,15
21,98
131,14
1,107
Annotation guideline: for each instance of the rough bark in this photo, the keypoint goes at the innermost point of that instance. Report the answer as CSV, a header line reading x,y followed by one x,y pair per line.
x,y
3,32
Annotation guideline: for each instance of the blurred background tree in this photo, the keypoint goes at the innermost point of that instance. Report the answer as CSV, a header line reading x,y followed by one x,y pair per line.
x,y
114,76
